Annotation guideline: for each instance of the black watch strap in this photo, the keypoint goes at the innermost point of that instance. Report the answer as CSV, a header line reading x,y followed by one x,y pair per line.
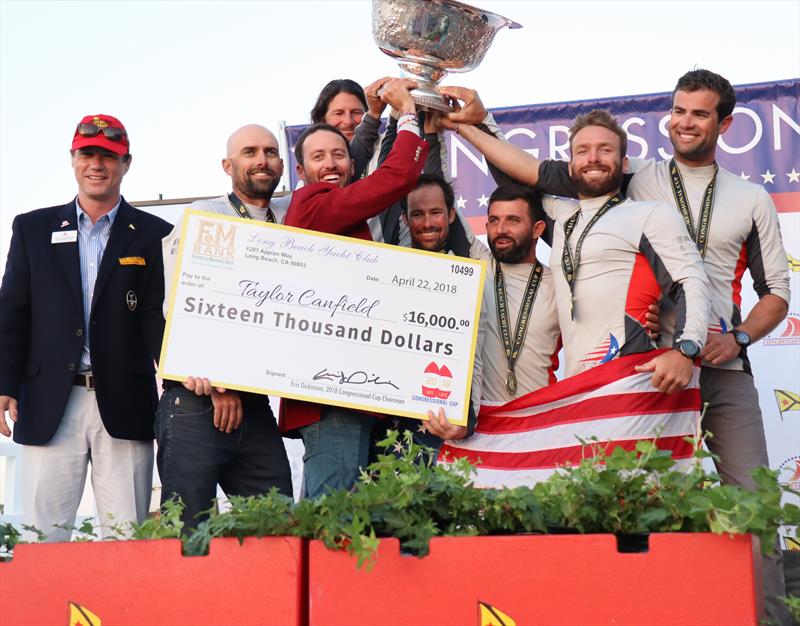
x,y
687,348
742,338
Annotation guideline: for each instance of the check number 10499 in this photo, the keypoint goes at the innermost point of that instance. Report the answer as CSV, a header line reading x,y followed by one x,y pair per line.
x,y
466,270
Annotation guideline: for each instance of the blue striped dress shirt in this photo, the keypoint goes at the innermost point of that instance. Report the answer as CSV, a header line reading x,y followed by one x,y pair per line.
x,y
92,240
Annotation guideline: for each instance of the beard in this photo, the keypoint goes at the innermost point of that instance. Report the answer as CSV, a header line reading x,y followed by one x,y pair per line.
x,y
517,253
598,188
430,245
264,189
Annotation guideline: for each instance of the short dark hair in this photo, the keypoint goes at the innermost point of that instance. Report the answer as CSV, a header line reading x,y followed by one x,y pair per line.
x,y
695,80
435,180
330,91
513,191
600,117
298,148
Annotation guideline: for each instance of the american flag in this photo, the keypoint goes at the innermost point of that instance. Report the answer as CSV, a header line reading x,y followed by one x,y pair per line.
x,y
525,440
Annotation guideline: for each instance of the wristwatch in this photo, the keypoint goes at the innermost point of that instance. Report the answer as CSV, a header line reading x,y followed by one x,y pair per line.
x,y
687,348
741,338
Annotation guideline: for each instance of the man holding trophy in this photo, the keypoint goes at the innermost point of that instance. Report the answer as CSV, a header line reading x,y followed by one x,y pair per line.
x,y
337,439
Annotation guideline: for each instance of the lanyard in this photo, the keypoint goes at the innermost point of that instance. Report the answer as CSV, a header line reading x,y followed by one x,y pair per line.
x,y
570,265
678,190
241,209
529,297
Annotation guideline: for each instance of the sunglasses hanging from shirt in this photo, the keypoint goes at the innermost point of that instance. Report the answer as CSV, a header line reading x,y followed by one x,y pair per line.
x,y
570,266
241,209
678,190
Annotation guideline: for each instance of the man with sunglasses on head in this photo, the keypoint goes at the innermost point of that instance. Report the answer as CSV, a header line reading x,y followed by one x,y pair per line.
x,y
80,328
209,436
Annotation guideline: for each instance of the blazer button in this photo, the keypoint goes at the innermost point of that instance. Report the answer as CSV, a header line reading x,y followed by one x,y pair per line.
x,y
71,367
79,332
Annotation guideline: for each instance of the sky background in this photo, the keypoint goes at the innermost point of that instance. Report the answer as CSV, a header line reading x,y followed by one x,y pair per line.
x,y
183,75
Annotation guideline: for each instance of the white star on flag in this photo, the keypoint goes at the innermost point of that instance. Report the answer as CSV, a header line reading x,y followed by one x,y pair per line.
x,y
794,177
483,201
767,177
744,176
461,203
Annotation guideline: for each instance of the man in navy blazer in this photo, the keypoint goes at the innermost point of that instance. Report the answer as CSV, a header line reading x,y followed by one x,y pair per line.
x,y
80,327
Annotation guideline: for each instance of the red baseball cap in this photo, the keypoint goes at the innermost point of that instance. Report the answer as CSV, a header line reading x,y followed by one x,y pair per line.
x,y
102,131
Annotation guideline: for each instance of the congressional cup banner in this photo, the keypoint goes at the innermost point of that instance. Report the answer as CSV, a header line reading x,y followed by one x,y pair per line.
x,y
762,145
298,314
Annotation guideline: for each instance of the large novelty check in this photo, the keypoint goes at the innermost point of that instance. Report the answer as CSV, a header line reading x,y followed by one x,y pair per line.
x,y
318,317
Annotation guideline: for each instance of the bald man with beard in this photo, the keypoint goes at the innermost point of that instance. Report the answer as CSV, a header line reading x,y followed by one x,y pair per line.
x,y
209,436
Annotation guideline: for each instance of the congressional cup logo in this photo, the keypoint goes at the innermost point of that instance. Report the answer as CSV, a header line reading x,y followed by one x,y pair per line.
x,y
215,242
437,381
787,334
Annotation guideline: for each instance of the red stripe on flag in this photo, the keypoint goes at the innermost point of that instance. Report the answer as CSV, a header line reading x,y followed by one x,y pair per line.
x,y
580,383
787,201
548,459
591,409
477,224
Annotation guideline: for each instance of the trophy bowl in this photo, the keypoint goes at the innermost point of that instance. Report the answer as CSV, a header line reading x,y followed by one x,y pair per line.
x,y
429,38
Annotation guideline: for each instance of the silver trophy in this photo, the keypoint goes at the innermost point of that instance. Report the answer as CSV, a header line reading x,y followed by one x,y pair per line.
x,y
430,38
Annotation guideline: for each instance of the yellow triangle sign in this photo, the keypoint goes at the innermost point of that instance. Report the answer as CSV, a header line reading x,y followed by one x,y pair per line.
x,y
490,616
81,616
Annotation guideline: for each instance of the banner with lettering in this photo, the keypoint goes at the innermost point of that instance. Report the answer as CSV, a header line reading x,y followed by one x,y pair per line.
x,y
762,144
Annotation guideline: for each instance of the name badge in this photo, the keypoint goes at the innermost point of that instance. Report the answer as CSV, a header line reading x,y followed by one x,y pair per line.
x,y
66,236
131,260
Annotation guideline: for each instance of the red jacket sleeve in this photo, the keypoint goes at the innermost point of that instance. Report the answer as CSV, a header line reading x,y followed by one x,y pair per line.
x,y
329,209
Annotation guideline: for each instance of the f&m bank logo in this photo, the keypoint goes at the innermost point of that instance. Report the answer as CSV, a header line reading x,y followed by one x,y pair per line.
x,y
787,334
214,242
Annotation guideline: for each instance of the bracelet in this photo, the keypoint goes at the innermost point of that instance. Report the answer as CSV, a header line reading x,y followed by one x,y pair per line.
x,y
408,121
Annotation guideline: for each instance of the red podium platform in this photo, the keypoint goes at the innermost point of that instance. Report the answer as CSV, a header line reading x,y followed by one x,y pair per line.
x,y
682,580
149,582
553,580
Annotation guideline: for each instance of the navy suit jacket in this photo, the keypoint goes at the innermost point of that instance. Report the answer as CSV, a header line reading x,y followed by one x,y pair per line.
x,y
41,322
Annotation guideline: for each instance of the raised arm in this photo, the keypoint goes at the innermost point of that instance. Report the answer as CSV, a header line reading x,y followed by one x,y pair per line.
x,y
510,159
362,146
